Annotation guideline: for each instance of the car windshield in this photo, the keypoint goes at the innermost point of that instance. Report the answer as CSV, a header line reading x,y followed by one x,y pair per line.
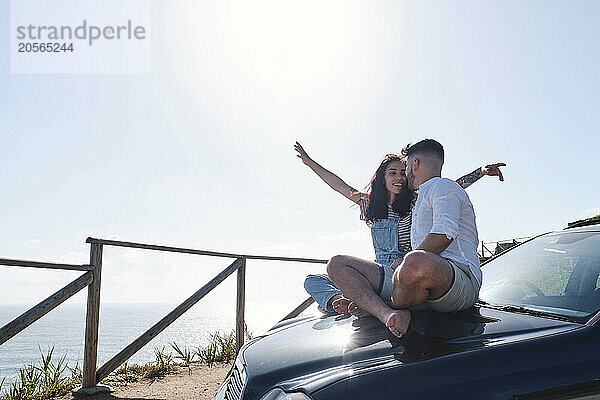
x,y
556,273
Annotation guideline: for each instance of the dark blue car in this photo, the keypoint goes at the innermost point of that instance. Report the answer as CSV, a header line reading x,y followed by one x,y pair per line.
x,y
534,334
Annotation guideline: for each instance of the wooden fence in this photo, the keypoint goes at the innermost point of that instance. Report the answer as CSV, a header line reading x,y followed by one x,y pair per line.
x,y
92,277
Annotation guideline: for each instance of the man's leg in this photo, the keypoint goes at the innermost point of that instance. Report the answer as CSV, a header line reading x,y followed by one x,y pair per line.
x,y
354,309
418,277
421,276
359,280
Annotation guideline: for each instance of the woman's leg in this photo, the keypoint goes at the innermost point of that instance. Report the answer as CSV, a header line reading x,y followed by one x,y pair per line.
x,y
322,289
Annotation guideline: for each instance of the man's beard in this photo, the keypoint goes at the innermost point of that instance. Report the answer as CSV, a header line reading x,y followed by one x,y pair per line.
x,y
410,180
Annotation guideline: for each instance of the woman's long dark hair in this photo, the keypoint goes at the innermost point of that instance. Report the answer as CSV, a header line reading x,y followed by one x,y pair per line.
x,y
378,196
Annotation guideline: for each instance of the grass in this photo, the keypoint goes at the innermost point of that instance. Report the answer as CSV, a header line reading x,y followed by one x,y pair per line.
x,y
51,376
185,355
596,218
221,348
46,379
133,373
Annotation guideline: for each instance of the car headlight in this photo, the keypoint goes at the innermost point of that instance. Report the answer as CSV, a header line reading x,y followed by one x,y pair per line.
x,y
278,394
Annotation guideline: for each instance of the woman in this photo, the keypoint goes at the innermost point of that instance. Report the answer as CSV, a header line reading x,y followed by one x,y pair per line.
x,y
386,208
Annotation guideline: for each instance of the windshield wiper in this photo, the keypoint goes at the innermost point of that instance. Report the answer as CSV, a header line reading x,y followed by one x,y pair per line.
x,y
524,310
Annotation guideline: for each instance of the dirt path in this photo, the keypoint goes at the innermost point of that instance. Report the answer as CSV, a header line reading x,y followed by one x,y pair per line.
x,y
201,384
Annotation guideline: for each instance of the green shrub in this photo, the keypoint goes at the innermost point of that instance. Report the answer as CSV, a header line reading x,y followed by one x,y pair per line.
x,y
44,380
221,347
186,355
162,358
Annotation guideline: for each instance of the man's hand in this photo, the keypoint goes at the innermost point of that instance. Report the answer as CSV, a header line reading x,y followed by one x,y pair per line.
x,y
301,153
493,170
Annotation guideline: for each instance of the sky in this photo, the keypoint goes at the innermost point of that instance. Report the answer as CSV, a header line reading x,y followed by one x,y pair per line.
x,y
198,152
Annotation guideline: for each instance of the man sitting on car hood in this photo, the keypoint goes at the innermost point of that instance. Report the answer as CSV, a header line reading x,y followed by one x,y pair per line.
x,y
443,271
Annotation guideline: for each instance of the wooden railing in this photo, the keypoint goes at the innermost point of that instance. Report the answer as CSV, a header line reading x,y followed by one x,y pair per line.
x,y
38,311
92,277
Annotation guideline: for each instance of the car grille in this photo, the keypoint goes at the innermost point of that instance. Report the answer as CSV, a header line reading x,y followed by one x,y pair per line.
x,y
235,383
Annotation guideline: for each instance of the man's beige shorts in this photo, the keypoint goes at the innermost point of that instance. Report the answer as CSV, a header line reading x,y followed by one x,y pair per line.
x,y
463,292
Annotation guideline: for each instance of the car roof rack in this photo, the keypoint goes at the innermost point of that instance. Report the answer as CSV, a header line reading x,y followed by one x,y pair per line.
x,y
583,222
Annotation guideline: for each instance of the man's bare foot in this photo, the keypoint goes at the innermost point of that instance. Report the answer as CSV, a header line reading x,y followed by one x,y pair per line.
x,y
340,305
355,310
398,322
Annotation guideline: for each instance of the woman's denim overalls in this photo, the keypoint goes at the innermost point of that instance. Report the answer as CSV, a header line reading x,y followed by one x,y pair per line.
x,y
384,233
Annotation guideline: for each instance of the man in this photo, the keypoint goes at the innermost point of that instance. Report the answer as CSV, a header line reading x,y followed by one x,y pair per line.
x,y
443,270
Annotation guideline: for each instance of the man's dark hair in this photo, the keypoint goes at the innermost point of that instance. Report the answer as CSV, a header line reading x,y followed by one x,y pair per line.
x,y
425,147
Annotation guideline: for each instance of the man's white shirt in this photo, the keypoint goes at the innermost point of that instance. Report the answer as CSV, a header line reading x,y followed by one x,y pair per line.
x,y
444,207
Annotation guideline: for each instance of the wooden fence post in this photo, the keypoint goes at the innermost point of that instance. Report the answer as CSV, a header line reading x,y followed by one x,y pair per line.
x,y
240,333
90,355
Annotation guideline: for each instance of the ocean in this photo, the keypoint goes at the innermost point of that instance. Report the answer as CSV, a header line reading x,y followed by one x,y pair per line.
x,y
63,328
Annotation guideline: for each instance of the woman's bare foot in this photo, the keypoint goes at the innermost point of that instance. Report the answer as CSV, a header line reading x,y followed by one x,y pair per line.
x,y
355,310
398,322
340,304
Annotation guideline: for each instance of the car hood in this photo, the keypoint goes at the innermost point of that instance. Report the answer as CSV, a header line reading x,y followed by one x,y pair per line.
x,y
315,346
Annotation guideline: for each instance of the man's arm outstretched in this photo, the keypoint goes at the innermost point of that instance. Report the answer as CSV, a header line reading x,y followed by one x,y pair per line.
x,y
491,169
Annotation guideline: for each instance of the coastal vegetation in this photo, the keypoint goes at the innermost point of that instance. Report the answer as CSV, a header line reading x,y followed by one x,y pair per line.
x,y
51,376
595,218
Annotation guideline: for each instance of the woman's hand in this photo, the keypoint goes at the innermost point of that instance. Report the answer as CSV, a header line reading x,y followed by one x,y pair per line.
x,y
301,153
331,179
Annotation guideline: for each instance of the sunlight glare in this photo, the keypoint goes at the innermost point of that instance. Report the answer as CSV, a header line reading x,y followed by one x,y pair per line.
x,y
342,335
287,44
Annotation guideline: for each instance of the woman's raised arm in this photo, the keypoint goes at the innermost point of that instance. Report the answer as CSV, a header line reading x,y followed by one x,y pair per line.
x,y
334,181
